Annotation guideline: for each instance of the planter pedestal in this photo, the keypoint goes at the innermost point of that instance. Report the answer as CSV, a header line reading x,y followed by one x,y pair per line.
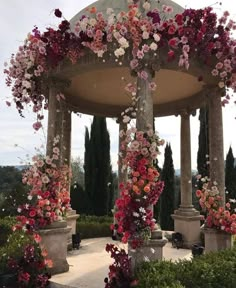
x,y
54,240
71,218
216,240
151,250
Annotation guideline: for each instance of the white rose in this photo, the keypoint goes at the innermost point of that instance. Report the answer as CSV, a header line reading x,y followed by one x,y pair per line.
x,y
153,46
119,52
156,37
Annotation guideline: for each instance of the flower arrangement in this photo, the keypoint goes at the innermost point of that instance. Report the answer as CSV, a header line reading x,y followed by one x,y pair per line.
x,y
218,217
120,271
134,215
191,34
48,196
26,266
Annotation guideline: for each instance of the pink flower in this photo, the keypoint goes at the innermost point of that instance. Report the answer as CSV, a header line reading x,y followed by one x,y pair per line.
x,y
143,75
37,125
152,86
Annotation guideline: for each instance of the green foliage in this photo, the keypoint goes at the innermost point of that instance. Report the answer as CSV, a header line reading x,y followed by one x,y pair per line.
x,y
13,193
6,229
95,219
230,175
168,195
97,167
77,172
94,226
213,270
79,199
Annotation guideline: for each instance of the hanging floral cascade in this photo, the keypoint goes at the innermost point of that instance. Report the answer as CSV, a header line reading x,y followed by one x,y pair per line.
x,y
217,216
189,35
142,190
48,196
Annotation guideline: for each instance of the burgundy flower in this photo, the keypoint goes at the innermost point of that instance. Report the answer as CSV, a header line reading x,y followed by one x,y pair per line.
x,y
58,13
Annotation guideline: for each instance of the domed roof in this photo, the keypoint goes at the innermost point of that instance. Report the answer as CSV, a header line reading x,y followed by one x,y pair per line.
x,y
122,5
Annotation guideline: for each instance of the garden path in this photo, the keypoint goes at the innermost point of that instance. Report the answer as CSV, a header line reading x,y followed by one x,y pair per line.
x,y
89,264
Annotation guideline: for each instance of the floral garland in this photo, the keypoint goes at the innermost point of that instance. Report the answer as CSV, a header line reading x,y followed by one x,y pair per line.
x,y
218,217
48,196
191,34
142,190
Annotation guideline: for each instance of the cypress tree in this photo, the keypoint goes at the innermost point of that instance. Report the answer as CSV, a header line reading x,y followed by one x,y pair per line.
x,y
203,143
230,175
168,194
98,176
88,171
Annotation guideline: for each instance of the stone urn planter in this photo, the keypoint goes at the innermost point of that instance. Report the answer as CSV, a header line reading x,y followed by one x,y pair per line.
x,y
54,240
216,240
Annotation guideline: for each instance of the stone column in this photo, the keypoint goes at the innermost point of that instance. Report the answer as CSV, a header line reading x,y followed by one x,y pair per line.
x,y
66,135
216,149
144,121
122,172
54,120
145,104
186,168
186,218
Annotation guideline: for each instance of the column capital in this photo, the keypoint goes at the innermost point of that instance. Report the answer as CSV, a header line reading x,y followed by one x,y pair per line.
x,y
185,113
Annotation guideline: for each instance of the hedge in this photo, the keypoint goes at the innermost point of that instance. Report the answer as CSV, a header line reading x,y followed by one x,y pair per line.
x,y
213,270
94,226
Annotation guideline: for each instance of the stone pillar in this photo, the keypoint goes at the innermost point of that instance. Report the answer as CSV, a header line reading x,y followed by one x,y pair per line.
x,y
122,172
216,149
65,159
186,218
66,135
54,120
151,249
145,104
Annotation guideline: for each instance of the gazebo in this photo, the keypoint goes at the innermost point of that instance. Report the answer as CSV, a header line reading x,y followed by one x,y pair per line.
x,y
96,86
109,63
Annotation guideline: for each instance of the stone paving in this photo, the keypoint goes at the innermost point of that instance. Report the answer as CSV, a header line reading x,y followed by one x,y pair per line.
x,y
89,264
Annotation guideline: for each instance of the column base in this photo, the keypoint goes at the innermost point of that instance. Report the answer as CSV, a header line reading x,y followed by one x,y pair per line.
x,y
150,251
187,222
71,222
54,240
216,240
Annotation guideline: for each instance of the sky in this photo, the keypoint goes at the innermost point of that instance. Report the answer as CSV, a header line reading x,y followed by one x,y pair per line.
x,y
18,139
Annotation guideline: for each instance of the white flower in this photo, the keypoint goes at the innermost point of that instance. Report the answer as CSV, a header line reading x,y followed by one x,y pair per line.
x,y
100,53
119,52
123,42
145,35
153,46
135,214
19,210
92,21
45,179
146,259
126,119
29,197
109,11
156,37
142,210
146,5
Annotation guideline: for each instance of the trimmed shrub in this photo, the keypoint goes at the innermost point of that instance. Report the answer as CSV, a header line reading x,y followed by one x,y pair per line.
x,y
93,230
213,270
94,226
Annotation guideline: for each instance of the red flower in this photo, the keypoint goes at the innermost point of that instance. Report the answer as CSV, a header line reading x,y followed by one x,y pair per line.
x,y
173,42
171,30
